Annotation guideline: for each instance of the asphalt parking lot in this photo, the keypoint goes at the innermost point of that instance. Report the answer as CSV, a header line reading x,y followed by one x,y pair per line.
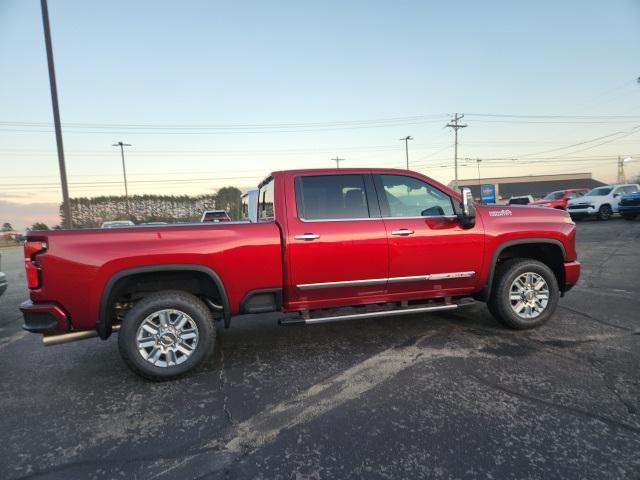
x,y
432,396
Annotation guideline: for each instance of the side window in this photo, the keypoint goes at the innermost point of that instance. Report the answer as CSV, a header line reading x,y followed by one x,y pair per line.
x,y
266,212
630,189
332,197
410,197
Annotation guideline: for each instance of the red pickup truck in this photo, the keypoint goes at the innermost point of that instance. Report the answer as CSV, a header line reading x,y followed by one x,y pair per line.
x,y
328,245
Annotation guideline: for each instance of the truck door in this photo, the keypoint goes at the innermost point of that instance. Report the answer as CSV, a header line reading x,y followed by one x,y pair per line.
x,y
430,254
336,245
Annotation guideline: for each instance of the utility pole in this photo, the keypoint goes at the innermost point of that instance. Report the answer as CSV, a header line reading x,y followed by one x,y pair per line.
x,y
478,160
337,160
455,125
622,177
124,173
406,147
66,206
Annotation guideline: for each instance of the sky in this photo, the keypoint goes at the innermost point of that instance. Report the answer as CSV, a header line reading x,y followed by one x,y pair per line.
x,y
214,93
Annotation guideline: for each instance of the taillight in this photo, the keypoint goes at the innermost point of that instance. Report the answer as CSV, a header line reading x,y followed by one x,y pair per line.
x,y
31,249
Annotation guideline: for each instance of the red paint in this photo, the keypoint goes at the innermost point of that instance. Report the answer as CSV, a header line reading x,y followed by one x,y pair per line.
x,y
561,202
77,264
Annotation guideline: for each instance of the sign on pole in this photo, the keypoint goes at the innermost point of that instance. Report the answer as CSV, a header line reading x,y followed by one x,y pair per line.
x,y
488,193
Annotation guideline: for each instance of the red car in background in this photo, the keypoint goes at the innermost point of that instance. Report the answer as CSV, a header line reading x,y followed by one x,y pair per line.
x,y
560,198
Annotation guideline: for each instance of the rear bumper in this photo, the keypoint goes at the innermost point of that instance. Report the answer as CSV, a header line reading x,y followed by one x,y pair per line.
x,y
571,275
44,318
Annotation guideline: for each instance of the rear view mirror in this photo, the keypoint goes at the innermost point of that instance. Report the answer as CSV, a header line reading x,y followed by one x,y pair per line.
x,y
468,216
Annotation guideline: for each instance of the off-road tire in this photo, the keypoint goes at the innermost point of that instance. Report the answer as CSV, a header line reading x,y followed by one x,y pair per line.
x,y
605,212
166,299
499,303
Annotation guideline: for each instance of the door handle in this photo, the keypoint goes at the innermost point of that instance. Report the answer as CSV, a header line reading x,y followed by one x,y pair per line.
x,y
307,236
403,232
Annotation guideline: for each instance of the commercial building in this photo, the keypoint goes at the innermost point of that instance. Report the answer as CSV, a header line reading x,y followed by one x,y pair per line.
x,y
535,185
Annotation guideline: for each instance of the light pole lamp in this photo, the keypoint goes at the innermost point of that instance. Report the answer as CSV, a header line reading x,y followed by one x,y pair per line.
x,y
124,173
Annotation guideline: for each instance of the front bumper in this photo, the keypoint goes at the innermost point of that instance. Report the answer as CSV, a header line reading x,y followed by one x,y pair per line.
x,y
629,208
44,318
571,275
3,283
582,211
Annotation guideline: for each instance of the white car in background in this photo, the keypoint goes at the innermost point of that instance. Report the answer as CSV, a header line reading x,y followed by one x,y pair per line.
x,y
601,202
118,224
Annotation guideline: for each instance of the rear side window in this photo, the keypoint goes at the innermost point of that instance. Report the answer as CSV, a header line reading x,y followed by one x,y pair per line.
x,y
332,197
266,211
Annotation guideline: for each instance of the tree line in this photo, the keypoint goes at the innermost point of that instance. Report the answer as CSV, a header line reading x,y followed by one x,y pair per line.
x,y
90,212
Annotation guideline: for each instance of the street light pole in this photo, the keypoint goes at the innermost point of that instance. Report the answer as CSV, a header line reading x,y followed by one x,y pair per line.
x,y
406,147
478,160
124,173
66,206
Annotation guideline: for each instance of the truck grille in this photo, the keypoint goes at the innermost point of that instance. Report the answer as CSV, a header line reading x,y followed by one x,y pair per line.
x,y
630,201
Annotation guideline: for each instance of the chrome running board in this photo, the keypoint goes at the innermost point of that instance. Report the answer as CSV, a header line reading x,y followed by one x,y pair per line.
x,y
302,320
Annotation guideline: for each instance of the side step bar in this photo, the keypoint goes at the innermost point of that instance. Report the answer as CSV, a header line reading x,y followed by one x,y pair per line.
x,y
374,314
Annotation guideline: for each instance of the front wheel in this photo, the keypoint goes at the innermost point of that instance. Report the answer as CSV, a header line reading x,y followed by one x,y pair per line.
x,y
604,212
166,334
525,293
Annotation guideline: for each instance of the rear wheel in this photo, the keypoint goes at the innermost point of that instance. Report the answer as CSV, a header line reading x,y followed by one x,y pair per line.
x,y
525,293
629,216
166,334
604,212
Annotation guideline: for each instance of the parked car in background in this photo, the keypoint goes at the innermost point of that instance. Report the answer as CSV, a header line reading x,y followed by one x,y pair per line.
x,y
629,206
118,224
601,202
3,279
153,223
522,200
215,216
560,198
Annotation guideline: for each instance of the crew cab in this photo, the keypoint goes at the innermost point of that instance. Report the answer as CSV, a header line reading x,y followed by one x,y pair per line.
x,y
327,245
560,198
601,202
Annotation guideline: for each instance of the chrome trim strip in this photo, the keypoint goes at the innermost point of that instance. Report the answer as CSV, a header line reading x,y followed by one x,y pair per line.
x,y
348,283
379,281
304,220
446,276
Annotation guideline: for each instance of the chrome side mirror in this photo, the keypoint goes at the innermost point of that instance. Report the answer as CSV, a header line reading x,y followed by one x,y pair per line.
x,y
468,216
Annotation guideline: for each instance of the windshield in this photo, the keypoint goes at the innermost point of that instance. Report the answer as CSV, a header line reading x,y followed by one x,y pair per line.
x,y
599,192
554,196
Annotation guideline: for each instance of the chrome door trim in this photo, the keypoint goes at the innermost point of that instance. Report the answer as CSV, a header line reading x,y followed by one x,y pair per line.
x,y
379,281
348,283
446,276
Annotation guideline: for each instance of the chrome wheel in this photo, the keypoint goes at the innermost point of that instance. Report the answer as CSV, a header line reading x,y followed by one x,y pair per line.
x,y
167,337
529,295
